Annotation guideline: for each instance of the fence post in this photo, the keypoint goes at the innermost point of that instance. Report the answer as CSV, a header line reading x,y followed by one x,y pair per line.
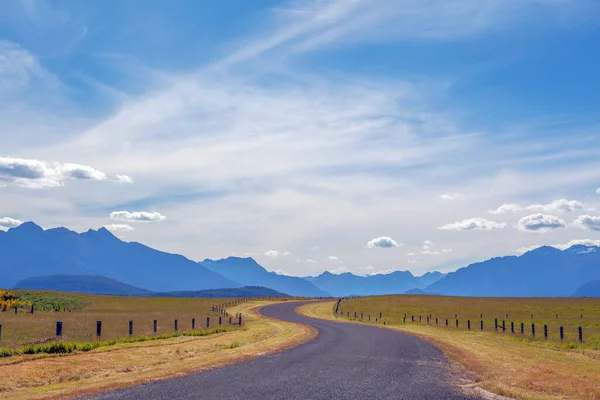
x,y
32,308
469,324
59,328
428,320
155,325
220,321
193,323
240,319
503,327
562,335
207,322
446,321
413,318
176,326
512,327
0,331
546,332
481,324
436,321
420,318
580,335
130,328
230,320
98,329
533,330
379,315
496,324
522,328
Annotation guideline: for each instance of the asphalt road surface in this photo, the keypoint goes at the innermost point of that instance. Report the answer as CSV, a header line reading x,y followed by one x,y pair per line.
x,y
345,361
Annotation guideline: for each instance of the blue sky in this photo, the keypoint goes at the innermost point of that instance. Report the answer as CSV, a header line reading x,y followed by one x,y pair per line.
x,y
341,135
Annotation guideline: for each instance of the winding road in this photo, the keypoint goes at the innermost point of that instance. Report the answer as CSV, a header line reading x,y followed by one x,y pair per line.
x,y
345,361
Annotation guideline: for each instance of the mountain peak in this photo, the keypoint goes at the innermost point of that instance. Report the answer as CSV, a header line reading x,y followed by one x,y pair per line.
x,y
27,228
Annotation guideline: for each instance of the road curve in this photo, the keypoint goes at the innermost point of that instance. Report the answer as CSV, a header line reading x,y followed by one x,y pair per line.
x,y
345,361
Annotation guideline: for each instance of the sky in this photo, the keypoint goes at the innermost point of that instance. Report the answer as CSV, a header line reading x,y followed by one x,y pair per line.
x,y
312,135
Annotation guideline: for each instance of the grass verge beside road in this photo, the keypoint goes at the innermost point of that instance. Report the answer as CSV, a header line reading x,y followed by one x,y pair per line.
x,y
127,364
503,366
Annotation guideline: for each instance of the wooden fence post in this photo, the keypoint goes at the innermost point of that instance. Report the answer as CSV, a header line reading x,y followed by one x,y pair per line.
x,y
503,327
562,334
130,328
98,329
522,328
436,321
176,325
546,332
155,325
59,328
219,321
240,319
207,322
469,324
193,323
512,327
580,335
533,330
446,321
481,323
457,323
496,324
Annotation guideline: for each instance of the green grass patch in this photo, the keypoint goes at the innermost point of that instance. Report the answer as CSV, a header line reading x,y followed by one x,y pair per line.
x,y
59,347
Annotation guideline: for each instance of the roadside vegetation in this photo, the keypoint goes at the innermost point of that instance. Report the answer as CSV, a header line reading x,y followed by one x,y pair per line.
x,y
501,363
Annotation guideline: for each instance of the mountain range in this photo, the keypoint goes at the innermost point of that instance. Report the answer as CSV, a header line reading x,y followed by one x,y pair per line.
x,y
28,251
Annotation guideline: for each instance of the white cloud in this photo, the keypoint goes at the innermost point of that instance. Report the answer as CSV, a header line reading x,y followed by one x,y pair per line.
x,y
412,261
41,174
588,222
446,250
119,228
276,253
333,258
430,252
411,254
123,179
506,208
7,223
137,216
383,242
598,191
339,270
561,206
474,224
310,261
540,223
282,272
449,196
562,246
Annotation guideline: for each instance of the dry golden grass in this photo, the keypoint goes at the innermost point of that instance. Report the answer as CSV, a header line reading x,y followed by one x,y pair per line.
x,y
115,313
503,366
36,377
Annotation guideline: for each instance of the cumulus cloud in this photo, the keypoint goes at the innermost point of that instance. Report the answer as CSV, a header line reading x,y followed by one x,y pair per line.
x,y
310,261
137,216
334,258
32,173
588,222
506,208
276,253
561,206
598,191
449,196
7,223
383,242
119,228
123,179
540,223
474,224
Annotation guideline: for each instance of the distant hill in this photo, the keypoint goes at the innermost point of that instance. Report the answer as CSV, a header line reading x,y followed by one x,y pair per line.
x,y
246,291
590,289
105,286
543,272
81,284
394,283
249,273
29,251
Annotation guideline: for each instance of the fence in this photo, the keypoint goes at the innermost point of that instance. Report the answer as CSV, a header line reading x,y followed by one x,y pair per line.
x,y
37,327
530,329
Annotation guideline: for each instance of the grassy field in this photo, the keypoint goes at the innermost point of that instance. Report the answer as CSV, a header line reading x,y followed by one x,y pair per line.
x,y
500,363
79,314
554,313
49,376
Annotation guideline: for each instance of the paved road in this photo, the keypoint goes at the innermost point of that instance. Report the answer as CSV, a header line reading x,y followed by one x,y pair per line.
x,y
345,361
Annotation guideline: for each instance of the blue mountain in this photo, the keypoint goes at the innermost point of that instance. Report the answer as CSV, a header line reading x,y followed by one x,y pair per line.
x,y
590,289
348,284
250,273
543,272
30,251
